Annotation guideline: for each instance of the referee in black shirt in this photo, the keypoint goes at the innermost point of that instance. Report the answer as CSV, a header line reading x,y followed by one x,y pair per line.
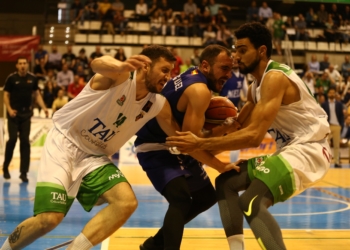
x,y
18,91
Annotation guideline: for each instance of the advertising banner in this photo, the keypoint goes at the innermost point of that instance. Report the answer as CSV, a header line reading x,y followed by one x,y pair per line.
x,y
12,47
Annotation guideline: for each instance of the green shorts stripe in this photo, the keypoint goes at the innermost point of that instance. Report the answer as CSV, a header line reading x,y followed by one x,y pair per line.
x,y
52,197
276,173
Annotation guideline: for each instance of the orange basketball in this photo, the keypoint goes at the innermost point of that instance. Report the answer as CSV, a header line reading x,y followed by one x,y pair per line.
x,y
219,109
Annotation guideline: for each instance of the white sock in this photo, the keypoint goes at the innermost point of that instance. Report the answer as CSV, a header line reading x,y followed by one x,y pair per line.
x,y
6,245
80,243
236,242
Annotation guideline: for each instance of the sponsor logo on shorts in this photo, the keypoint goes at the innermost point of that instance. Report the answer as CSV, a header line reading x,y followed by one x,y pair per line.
x,y
58,198
118,175
263,169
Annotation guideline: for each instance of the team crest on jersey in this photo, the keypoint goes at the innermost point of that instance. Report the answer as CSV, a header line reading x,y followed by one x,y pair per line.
x,y
121,100
144,110
259,161
194,72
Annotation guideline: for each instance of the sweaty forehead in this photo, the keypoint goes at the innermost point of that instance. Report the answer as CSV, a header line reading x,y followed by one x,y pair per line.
x,y
244,42
223,59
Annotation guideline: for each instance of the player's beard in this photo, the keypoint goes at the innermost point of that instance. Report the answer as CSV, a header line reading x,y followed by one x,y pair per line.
x,y
212,82
150,87
249,68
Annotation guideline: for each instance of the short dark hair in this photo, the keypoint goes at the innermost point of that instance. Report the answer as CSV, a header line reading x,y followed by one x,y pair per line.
x,y
155,52
332,88
257,34
20,58
210,53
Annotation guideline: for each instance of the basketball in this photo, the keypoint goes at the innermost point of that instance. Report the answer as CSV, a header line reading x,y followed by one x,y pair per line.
x,y
219,109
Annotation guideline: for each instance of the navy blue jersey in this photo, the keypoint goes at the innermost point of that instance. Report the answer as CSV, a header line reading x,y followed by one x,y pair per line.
x,y
232,88
172,91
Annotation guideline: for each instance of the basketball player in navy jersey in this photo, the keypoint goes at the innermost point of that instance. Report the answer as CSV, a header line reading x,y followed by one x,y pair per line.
x,y
235,85
179,178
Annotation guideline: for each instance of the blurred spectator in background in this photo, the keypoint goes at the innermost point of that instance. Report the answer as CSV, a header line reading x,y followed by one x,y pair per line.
x,y
325,63
190,7
220,18
77,12
69,58
141,10
41,53
195,59
224,36
336,16
278,32
108,22
346,14
59,101
65,77
50,76
310,81
311,19
322,15
103,7
50,93
314,65
209,36
120,55
120,22
91,10
152,7
55,59
40,70
118,6
156,23
326,82
265,13
82,60
334,110
176,70
301,32
320,96
345,67
97,53
214,7
253,12
335,78
164,7
74,88
203,7
186,65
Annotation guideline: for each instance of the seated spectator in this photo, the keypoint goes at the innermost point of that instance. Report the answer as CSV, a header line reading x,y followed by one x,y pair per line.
x,y
346,94
205,21
153,7
278,32
120,55
336,16
41,53
220,18
54,59
120,22
74,88
322,15
314,65
50,76
77,12
168,23
288,24
190,7
83,76
203,7
69,58
181,24
65,77
209,36
186,65
50,93
59,101
335,78
91,10
301,32
253,12
82,60
320,95
214,7
164,7
108,21
156,23
344,32
345,133
97,53
265,13
224,36
103,7
310,81
311,19
325,63
330,33
346,14
40,70
325,82
195,59
141,10
345,67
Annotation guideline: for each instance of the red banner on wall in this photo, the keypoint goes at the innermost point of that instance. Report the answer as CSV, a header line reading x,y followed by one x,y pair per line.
x,y
12,47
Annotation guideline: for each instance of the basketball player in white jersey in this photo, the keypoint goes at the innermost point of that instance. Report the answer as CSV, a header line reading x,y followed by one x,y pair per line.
x,y
118,100
281,104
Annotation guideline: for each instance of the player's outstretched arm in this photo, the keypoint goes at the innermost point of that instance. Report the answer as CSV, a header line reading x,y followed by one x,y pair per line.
x,y
110,71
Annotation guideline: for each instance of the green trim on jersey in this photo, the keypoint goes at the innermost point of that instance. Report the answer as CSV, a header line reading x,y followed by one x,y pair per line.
x,y
276,173
50,197
279,66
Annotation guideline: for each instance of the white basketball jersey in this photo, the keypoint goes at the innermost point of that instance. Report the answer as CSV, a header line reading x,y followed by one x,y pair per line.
x,y
299,122
99,122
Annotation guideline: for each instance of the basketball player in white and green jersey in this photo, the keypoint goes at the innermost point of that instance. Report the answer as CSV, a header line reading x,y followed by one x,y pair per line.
x,y
281,104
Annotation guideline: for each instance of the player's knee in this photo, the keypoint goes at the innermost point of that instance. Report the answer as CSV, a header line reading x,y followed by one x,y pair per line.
x,y
179,198
128,205
48,221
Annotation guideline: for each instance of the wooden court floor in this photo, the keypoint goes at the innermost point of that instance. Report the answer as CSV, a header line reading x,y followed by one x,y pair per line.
x,y
213,238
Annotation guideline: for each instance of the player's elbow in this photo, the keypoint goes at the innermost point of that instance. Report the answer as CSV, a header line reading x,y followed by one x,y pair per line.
x,y
255,140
